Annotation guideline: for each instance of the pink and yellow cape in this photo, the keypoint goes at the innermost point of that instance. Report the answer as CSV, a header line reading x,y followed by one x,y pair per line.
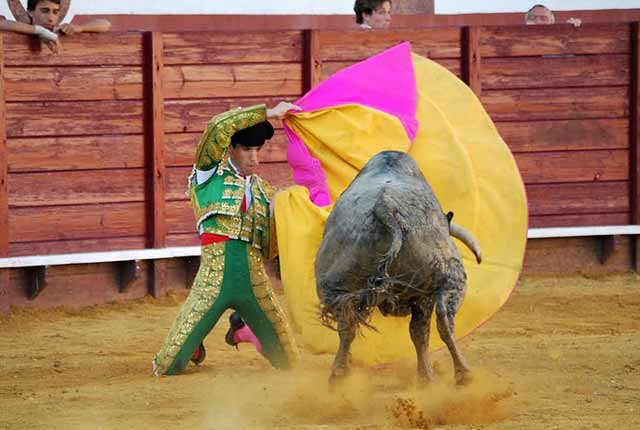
x,y
400,101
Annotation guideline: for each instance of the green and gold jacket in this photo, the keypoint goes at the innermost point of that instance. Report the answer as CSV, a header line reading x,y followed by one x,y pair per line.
x,y
217,201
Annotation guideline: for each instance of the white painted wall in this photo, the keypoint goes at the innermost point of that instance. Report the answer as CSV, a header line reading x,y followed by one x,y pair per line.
x,y
311,7
206,7
447,7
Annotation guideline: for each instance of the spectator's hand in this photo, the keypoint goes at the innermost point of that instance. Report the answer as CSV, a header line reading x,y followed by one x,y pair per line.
x,y
67,29
576,22
53,45
281,109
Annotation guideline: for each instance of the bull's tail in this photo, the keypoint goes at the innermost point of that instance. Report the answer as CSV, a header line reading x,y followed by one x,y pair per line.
x,y
386,213
354,307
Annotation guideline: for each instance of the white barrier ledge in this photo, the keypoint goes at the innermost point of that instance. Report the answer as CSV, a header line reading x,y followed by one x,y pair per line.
x,y
98,257
190,251
554,232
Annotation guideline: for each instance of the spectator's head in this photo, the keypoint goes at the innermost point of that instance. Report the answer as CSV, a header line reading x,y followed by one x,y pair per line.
x,y
245,145
373,13
44,12
539,15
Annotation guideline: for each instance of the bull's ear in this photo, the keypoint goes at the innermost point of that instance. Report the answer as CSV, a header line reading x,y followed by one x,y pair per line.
x,y
449,216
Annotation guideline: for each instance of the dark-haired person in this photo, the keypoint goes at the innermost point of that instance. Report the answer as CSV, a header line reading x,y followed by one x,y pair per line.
x,y
539,14
234,217
373,13
42,18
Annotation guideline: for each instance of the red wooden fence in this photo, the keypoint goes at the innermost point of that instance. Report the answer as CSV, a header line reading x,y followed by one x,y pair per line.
x,y
96,143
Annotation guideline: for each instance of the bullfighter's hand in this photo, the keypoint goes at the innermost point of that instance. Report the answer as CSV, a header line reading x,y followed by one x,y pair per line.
x,y
281,109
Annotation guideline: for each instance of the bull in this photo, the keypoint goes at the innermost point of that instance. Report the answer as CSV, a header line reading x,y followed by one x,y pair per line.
x,y
387,244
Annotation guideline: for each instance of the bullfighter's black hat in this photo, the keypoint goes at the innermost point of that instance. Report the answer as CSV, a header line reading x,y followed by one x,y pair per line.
x,y
254,136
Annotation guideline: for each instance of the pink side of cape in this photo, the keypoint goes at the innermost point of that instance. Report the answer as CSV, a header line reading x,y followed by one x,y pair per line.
x,y
385,82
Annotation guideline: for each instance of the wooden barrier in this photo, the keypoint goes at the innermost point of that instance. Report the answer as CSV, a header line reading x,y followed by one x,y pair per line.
x,y
97,142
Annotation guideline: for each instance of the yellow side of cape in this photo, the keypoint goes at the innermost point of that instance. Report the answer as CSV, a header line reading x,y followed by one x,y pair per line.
x,y
472,173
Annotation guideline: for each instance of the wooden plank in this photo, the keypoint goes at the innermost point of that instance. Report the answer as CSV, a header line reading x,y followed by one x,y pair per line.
x,y
578,198
581,71
180,217
76,286
234,23
312,64
192,115
278,175
73,246
73,83
40,154
634,130
574,166
180,148
80,50
557,103
634,139
358,45
158,277
538,221
232,47
183,239
76,187
566,256
471,59
331,67
4,166
27,119
232,80
5,291
155,174
76,222
534,40
578,135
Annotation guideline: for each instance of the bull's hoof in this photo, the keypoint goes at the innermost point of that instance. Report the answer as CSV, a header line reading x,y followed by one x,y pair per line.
x,y
426,377
463,378
338,374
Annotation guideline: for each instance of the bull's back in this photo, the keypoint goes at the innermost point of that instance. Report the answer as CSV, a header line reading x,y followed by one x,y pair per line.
x,y
359,230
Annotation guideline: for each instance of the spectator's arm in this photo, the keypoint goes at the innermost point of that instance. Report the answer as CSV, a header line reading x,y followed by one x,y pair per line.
x,y
49,38
17,27
98,25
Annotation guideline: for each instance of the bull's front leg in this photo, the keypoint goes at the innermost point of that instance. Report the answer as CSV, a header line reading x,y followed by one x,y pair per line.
x,y
419,329
341,364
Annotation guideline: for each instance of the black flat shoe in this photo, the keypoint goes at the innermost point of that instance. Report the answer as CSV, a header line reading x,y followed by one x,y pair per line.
x,y
236,323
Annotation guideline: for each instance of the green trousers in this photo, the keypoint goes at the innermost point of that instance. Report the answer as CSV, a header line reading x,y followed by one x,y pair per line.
x,y
231,275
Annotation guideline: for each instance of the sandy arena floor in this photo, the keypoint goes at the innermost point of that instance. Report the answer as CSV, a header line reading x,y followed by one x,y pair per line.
x,y
563,354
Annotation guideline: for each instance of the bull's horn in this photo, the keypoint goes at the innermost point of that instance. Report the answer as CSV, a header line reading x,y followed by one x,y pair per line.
x,y
466,238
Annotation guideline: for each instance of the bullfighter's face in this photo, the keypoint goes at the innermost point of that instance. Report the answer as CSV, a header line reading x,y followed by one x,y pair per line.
x,y
245,158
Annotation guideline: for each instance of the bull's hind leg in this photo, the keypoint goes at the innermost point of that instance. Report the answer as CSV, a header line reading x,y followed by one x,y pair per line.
x,y
419,329
341,363
448,299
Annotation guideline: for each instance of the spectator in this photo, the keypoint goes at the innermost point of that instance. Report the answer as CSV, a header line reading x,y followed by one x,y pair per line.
x,y
42,18
373,13
541,15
